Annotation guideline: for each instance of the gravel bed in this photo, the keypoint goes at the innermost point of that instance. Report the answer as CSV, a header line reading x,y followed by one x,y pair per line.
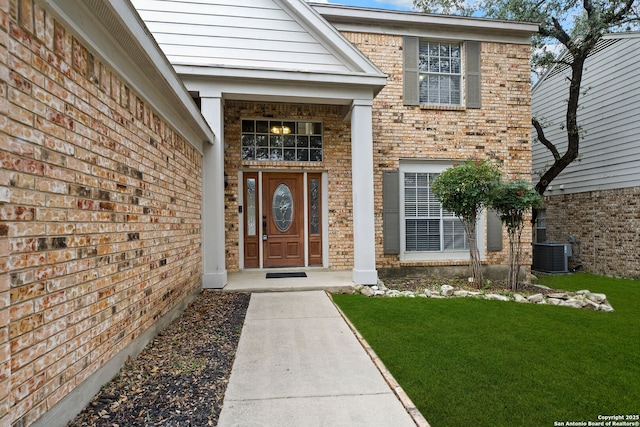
x,y
180,378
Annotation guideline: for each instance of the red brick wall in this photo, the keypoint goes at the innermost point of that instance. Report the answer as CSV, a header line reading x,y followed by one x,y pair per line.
x,y
500,130
100,207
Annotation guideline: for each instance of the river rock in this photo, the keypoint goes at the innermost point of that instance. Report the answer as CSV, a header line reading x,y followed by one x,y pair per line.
x,y
460,293
606,307
572,302
590,305
497,297
535,298
597,298
558,295
519,298
366,291
446,290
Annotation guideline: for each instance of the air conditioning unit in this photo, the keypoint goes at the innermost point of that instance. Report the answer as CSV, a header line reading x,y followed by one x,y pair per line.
x,y
551,257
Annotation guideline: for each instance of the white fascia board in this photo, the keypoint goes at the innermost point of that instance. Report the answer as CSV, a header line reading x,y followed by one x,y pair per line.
x,y
347,18
375,83
331,38
117,35
278,91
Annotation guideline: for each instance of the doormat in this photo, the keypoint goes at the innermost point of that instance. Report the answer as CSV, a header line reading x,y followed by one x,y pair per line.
x,y
286,275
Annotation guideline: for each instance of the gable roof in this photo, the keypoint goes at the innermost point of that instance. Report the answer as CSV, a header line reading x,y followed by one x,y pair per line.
x,y
262,38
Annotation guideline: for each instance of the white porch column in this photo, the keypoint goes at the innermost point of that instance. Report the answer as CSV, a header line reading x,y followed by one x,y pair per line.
x,y
364,252
213,235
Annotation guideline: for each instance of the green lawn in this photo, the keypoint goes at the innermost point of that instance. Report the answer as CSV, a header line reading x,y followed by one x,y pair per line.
x,y
470,362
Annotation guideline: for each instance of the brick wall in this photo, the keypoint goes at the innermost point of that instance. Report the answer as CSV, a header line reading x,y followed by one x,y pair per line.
x,y
337,160
605,223
500,130
100,213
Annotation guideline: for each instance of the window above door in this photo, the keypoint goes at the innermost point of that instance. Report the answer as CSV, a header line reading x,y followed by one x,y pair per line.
x,y
282,140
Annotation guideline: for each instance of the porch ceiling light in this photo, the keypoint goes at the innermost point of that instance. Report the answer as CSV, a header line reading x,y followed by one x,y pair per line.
x,y
281,129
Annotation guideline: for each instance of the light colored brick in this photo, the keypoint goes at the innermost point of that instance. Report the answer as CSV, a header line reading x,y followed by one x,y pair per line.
x,y
96,196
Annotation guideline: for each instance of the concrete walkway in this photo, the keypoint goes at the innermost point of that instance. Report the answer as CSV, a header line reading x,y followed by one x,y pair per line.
x,y
317,279
299,364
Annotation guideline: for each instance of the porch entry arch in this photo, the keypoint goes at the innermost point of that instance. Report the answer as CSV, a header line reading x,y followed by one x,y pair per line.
x,y
282,219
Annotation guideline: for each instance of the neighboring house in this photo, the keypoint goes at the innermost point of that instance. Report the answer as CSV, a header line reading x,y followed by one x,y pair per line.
x,y
593,203
321,128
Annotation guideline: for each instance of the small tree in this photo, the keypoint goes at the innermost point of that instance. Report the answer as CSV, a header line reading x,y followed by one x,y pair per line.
x,y
512,200
465,190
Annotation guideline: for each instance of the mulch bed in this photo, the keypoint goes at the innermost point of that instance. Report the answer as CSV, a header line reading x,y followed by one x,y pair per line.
x,y
181,377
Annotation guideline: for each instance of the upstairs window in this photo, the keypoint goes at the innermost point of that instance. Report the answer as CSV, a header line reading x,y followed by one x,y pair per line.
x,y
441,73
282,140
440,68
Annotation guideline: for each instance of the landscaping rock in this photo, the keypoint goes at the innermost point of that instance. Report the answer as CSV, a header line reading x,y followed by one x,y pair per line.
x,y
597,298
606,307
582,299
446,290
367,291
590,305
519,298
496,297
535,298
558,295
572,302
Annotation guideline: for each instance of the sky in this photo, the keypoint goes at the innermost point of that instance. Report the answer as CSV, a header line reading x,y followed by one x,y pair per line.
x,y
379,4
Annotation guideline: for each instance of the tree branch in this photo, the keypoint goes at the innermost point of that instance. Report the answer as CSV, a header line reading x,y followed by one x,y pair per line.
x,y
560,33
543,139
611,17
588,7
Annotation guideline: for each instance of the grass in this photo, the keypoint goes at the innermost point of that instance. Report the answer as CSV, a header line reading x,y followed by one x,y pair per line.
x,y
470,362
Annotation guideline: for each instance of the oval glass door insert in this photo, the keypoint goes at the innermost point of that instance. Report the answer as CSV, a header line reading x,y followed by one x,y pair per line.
x,y
282,207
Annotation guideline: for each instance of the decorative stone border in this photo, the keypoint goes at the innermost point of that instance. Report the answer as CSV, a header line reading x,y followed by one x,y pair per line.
x,y
581,299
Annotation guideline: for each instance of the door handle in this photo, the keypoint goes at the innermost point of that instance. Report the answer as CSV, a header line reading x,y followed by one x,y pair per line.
x,y
264,237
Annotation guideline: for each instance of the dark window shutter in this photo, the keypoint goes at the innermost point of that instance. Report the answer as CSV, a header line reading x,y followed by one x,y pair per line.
x,y
494,231
411,76
391,212
472,74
